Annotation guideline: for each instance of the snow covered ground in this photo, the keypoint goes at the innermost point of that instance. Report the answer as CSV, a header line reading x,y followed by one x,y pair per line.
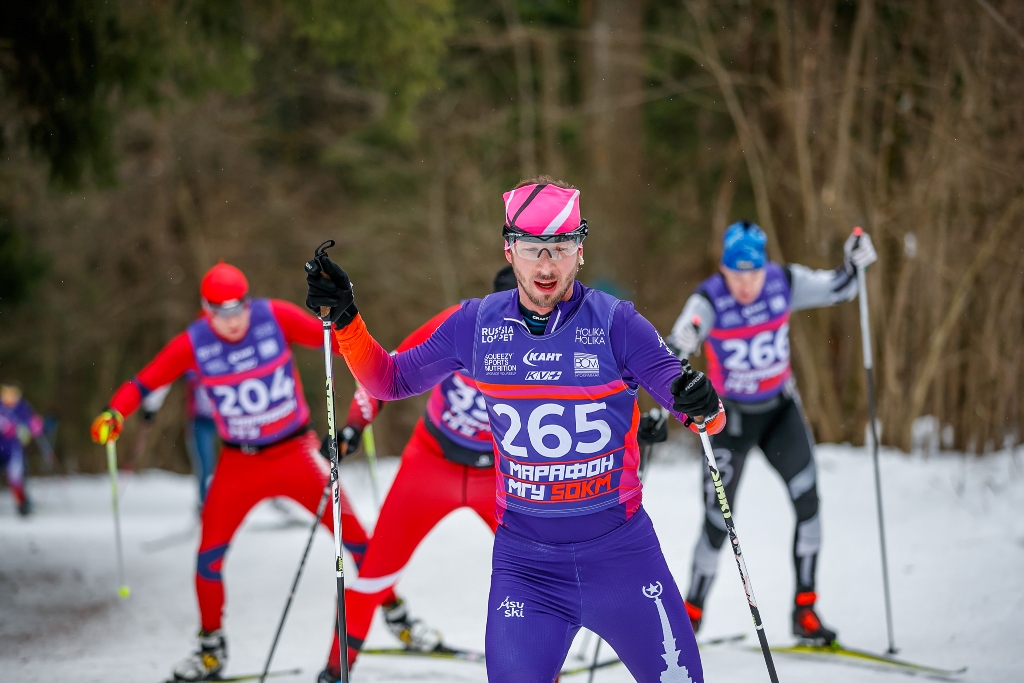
x,y
956,544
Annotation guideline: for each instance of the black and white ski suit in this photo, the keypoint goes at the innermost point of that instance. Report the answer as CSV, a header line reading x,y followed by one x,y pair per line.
x,y
775,424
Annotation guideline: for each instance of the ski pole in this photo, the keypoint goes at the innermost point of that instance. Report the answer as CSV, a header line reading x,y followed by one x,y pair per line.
x,y
865,338
593,667
584,644
730,525
660,416
371,460
141,439
313,266
123,589
295,583
46,450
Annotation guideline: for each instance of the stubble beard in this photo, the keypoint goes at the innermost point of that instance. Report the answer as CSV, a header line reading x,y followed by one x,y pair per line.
x,y
550,300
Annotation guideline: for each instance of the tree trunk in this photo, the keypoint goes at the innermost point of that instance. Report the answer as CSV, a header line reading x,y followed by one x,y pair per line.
x,y
524,82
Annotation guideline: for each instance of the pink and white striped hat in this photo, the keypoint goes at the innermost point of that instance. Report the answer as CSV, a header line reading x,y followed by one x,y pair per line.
x,y
543,210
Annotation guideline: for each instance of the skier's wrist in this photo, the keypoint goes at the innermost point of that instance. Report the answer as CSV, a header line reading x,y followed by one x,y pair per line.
x,y
346,317
848,267
351,335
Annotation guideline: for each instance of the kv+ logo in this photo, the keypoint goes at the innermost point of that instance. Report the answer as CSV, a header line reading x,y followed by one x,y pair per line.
x,y
512,608
544,375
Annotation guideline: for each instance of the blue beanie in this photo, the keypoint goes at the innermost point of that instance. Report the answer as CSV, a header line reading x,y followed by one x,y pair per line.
x,y
744,246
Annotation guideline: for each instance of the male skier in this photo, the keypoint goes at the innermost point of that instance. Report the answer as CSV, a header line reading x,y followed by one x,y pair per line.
x,y
559,365
448,463
240,350
19,424
743,321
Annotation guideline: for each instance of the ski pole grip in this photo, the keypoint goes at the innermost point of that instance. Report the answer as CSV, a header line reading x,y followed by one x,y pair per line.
x,y
313,265
857,232
686,369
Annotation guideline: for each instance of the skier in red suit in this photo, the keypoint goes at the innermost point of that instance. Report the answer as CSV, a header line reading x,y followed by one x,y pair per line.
x,y
240,350
448,463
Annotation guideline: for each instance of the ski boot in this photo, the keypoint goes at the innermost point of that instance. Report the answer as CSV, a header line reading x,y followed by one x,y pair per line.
x,y
206,663
25,507
414,634
695,613
806,624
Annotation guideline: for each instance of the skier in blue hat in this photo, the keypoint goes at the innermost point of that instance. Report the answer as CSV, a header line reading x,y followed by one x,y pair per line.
x,y
741,316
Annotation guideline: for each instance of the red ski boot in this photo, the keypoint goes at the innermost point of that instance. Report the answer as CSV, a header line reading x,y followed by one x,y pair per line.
x,y
695,613
806,624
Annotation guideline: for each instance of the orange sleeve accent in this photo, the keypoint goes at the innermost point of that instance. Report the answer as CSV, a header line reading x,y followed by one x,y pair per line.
x,y
364,408
369,363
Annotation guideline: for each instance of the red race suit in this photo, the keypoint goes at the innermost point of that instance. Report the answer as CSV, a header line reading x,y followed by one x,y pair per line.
x,y
262,418
448,463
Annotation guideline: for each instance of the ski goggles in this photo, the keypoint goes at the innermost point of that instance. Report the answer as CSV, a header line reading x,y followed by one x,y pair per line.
x,y
557,247
228,309
531,247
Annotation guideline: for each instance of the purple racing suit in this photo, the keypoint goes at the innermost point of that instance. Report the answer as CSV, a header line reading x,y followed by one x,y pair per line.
x,y
17,422
574,547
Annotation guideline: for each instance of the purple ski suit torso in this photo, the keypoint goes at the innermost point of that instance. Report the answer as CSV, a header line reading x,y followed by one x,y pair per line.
x,y
488,341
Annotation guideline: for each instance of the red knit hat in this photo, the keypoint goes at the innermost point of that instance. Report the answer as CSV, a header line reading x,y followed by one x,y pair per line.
x,y
223,283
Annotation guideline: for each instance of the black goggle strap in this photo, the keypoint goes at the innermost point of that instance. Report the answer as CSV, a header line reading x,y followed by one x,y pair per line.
x,y
516,234
529,200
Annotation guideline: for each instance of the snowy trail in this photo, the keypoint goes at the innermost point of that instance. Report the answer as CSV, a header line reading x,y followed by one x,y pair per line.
x,y
957,562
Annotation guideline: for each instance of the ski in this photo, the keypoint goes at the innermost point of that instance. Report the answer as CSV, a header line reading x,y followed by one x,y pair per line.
x,y
440,652
444,652
860,657
722,640
719,640
246,677
587,667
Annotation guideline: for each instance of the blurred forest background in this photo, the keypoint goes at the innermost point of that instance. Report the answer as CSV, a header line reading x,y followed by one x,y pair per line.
x,y
143,140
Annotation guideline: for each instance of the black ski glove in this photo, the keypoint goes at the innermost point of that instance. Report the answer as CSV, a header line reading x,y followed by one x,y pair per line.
x,y
334,291
653,428
348,442
693,393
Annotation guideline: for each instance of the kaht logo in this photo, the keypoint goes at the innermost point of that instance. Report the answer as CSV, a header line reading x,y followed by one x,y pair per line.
x,y
512,608
531,357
